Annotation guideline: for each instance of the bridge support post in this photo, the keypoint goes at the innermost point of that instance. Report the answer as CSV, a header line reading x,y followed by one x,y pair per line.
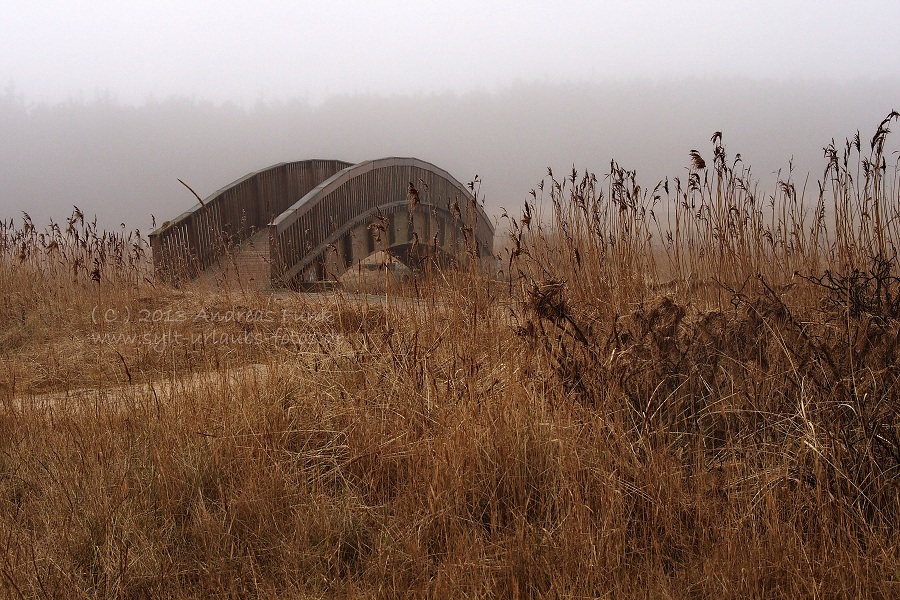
x,y
333,261
362,245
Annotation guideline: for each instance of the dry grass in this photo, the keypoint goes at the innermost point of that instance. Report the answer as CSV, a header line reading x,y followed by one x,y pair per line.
x,y
684,392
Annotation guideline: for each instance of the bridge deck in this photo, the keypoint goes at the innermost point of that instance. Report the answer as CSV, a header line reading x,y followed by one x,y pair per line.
x,y
247,265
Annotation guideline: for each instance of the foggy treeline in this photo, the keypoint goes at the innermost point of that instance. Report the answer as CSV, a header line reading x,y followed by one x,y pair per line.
x,y
121,163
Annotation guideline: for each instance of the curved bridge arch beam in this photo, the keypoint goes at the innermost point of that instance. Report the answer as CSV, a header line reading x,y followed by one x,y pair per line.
x,y
375,205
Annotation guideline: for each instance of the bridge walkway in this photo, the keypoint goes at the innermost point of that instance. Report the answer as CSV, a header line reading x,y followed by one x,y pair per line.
x,y
246,265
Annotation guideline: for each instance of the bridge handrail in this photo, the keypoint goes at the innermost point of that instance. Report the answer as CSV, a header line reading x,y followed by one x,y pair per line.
x,y
290,215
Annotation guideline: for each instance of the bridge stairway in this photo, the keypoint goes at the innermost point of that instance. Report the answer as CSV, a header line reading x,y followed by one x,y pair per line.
x,y
247,266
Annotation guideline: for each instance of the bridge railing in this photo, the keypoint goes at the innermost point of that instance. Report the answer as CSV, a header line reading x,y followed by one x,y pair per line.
x,y
301,234
200,236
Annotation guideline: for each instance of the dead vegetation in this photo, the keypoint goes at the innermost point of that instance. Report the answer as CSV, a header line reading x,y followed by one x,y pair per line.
x,y
679,392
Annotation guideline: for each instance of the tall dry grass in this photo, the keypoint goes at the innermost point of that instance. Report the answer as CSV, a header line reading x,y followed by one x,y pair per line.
x,y
679,392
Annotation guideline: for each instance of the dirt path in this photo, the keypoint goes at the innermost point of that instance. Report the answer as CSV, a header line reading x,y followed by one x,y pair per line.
x,y
163,389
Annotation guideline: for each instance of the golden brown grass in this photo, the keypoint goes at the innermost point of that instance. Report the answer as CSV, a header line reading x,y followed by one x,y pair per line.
x,y
685,392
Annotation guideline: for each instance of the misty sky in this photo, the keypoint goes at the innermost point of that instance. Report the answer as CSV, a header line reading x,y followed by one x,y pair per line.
x,y
105,105
248,51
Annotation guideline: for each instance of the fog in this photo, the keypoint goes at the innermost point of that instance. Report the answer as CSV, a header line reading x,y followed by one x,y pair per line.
x,y
122,162
105,105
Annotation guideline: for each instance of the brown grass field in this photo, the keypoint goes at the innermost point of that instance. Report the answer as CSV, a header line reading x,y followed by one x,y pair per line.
x,y
690,391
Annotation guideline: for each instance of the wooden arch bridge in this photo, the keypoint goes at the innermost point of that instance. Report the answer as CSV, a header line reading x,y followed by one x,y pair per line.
x,y
304,222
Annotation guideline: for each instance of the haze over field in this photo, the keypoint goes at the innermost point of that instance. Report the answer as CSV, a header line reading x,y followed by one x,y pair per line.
x,y
106,107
